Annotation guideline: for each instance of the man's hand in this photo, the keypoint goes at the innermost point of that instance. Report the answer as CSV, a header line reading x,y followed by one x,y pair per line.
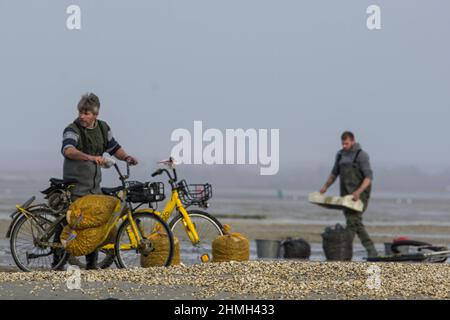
x,y
123,156
132,160
356,195
98,160
365,184
331,179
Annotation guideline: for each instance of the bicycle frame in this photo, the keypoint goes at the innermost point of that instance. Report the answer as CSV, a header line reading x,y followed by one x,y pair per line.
x,y
134,234
172,204
175,203
125,213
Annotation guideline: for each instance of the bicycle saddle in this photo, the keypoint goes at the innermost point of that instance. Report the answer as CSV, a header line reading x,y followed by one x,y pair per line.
x,y
111,191
56,184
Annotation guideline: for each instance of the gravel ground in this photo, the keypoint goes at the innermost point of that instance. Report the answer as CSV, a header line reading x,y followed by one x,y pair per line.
x,y
249,280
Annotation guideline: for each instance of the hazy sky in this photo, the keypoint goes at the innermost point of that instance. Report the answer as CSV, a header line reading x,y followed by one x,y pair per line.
x,y
309,68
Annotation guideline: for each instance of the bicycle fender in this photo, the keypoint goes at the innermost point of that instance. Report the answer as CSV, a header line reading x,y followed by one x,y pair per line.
x,y
16,217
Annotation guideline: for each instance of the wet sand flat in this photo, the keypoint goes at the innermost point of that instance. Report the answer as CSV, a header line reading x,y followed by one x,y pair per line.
x,y
280,229
311,232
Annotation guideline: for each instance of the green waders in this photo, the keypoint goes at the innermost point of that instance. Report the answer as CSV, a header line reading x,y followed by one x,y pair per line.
x,y
351,179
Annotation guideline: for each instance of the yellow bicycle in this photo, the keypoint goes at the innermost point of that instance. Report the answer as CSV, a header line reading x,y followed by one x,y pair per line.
x,y
195,229
34,232
134,237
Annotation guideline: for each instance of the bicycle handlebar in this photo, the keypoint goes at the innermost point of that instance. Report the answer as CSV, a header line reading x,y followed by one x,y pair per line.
x,y
112,162
160,171
157,173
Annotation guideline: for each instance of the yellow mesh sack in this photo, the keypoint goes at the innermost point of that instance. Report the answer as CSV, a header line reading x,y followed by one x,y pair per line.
x,y
158,257
230,247
82,242
91,211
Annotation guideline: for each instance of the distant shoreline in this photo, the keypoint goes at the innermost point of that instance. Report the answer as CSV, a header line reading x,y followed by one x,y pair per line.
x,y
311,230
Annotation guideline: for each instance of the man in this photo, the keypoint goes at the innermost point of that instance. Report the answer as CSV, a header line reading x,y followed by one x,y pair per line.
x,y
84,142
353,166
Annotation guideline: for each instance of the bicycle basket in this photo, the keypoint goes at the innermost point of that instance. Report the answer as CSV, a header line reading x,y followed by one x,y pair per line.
x,y
194,194
139,192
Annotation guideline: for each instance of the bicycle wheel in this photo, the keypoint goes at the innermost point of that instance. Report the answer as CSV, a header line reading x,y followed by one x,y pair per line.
x,y
129,252
27,253
208,228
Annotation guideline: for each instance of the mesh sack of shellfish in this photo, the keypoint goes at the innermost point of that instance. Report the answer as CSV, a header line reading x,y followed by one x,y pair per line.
x,y
232,246
91,211
158,255
82,242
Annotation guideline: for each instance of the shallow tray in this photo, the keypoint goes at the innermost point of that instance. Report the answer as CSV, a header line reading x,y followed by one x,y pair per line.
x,y
338,203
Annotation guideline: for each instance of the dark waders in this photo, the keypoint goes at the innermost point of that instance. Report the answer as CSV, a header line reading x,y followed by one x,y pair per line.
x,y
351,179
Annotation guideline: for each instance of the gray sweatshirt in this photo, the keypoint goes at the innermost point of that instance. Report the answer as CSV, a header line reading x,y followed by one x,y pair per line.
x,y
348,157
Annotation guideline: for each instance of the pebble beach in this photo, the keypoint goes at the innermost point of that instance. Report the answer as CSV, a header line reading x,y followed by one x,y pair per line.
x,y
240,280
